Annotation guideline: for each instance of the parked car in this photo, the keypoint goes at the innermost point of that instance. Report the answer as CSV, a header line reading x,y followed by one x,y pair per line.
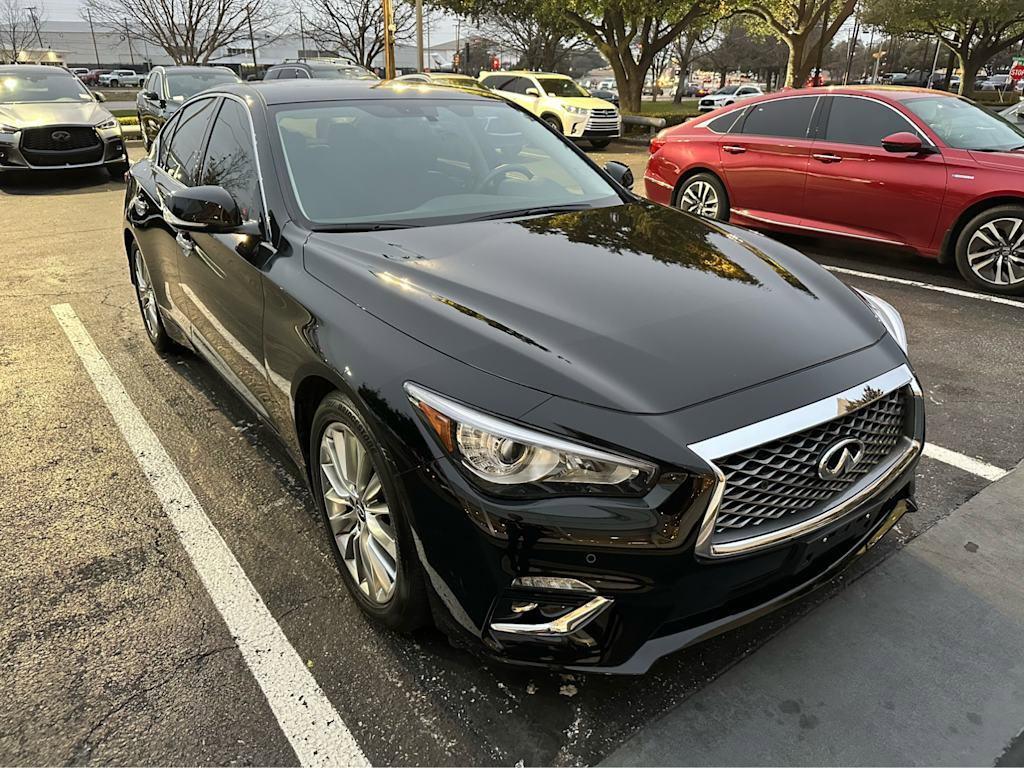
x,y
730,94
50,121
167,88
79,72
920,169
532,407
612,97
92,77
318,70
559,102
1014,113
118,77
997,83
693,90
450,79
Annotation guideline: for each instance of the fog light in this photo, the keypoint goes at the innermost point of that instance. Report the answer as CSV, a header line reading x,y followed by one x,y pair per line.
x,y
552,582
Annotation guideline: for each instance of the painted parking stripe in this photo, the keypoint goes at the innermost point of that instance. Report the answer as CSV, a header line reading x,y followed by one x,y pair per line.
x,y
966,463
306,716
927,286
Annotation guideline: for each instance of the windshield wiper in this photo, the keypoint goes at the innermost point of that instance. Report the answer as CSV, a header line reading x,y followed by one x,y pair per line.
x,y
536,211
372,226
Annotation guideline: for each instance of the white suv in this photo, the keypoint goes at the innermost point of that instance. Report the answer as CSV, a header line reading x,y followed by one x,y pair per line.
x,y
559,102
730,94
122,77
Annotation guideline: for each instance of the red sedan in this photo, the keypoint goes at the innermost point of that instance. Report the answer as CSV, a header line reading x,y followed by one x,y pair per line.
x,y
907,167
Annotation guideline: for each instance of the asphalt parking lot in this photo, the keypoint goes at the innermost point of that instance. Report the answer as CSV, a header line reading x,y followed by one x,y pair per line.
x,y
115,651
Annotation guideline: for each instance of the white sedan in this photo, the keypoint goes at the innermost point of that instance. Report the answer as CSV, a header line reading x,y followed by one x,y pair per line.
x,y
728,95
122,77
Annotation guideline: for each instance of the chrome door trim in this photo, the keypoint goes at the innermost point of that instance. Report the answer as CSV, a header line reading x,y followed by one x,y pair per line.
x,y
788,423
748,215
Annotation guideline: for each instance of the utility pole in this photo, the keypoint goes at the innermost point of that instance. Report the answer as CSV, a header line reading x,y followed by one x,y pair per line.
x,y
302,37
252,40
419,35
389,40
821,46
35,23
854,39
92,31
128,37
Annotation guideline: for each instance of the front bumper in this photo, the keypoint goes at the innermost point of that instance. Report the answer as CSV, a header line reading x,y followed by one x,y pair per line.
x,y
634,582
13,156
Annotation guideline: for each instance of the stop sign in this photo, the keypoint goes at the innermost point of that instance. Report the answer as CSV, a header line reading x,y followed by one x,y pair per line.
x,y
1017,70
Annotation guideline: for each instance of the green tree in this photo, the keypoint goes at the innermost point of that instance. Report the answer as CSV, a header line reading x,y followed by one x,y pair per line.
x,y
803,25
976,31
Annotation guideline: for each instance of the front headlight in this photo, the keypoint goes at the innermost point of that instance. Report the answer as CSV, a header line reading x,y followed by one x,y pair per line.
x,y
887,316
509,460
107,124
8,128
576,110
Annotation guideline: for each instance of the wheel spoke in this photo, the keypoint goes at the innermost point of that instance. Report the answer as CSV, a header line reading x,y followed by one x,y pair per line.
x,y
372,489
380,532
380,572
979,254
351,456
993,231
340,513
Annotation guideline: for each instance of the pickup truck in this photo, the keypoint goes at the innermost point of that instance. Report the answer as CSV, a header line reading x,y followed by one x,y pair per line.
x,y
120,77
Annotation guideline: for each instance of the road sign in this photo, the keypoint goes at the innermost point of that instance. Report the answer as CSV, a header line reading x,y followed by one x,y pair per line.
x,y
1017,70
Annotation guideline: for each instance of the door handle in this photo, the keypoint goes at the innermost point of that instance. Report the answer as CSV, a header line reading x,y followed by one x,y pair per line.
x,y
827,158
185,243
733,149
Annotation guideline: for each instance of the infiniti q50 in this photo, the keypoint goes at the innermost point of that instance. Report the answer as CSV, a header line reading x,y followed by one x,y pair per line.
x,y
564,424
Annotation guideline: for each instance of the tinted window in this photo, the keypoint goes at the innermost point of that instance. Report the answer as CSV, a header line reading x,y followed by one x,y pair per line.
x,y
862,121
230,159
498,83
156,84
783,117
272,74
185,85
560,87
725,123
186,145
519,85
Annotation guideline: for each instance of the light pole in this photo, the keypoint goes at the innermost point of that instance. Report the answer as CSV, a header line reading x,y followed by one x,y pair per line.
x,y
35,23
419,35
92,31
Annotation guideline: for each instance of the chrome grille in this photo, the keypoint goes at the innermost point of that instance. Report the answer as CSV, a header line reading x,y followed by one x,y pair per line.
x,y
776,484
604,120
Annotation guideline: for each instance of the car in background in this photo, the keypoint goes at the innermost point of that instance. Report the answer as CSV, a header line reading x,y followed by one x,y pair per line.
x,y
566,425
612,97
727,95
450,79
118,77
79,72
318,69
914,168
92,77
560,102
997,83
50,121
167,88
1014,113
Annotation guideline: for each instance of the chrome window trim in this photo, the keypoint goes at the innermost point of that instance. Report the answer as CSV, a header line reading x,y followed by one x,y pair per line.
x,y
789,423
910,122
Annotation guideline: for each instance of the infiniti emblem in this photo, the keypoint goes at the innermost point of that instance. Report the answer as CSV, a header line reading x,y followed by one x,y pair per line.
x,y
61,136
839,458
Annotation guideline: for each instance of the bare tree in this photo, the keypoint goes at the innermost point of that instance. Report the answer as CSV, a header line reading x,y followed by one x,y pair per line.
x,y
356,27
535,31
191,31
17,29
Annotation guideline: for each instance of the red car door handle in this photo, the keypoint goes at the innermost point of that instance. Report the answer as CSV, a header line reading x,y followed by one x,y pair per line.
x,y
732,149
827,158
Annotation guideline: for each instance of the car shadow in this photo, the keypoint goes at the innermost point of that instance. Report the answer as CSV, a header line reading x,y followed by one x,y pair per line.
x,y
57,182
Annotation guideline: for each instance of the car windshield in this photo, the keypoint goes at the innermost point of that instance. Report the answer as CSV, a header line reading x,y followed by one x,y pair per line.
x,y
420,162
185,85
20,87
342,72
728,90
561,87
963,125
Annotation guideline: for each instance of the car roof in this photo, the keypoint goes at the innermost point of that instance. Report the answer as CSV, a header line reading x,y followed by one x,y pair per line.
x,y
9,69
192,67
895,92
526,73
274,92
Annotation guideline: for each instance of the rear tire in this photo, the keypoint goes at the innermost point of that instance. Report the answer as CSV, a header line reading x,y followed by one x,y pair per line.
x,y
990,250
366,515
703,195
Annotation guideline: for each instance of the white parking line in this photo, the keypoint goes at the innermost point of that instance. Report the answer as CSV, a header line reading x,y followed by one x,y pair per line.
x,y
966,463
306,716
927,286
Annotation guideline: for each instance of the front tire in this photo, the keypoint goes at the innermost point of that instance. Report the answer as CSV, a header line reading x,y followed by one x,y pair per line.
x,y
366,515
146,141
990,250
704,195
145,293
600,143
554,122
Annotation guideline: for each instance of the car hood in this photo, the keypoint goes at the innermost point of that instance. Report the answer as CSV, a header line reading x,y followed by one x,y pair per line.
x,y
29,115
586,102
1007,161
634,307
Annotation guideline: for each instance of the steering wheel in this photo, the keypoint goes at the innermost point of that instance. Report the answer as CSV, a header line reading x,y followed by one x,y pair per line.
x,y
494,177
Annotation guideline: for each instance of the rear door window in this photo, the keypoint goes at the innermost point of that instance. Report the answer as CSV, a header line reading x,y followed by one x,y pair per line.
x,y
786,118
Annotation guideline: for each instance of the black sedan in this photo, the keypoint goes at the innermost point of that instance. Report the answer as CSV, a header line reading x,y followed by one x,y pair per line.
x,y
167,88
560,422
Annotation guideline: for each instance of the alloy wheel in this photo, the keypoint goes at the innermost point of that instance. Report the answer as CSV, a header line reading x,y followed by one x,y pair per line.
x,y
699,198
147,296
358,512
995,252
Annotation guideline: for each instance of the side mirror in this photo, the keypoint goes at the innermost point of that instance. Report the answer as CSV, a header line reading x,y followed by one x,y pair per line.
x,y
150,96
206,209
620,172
903,141
99,96
532,92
